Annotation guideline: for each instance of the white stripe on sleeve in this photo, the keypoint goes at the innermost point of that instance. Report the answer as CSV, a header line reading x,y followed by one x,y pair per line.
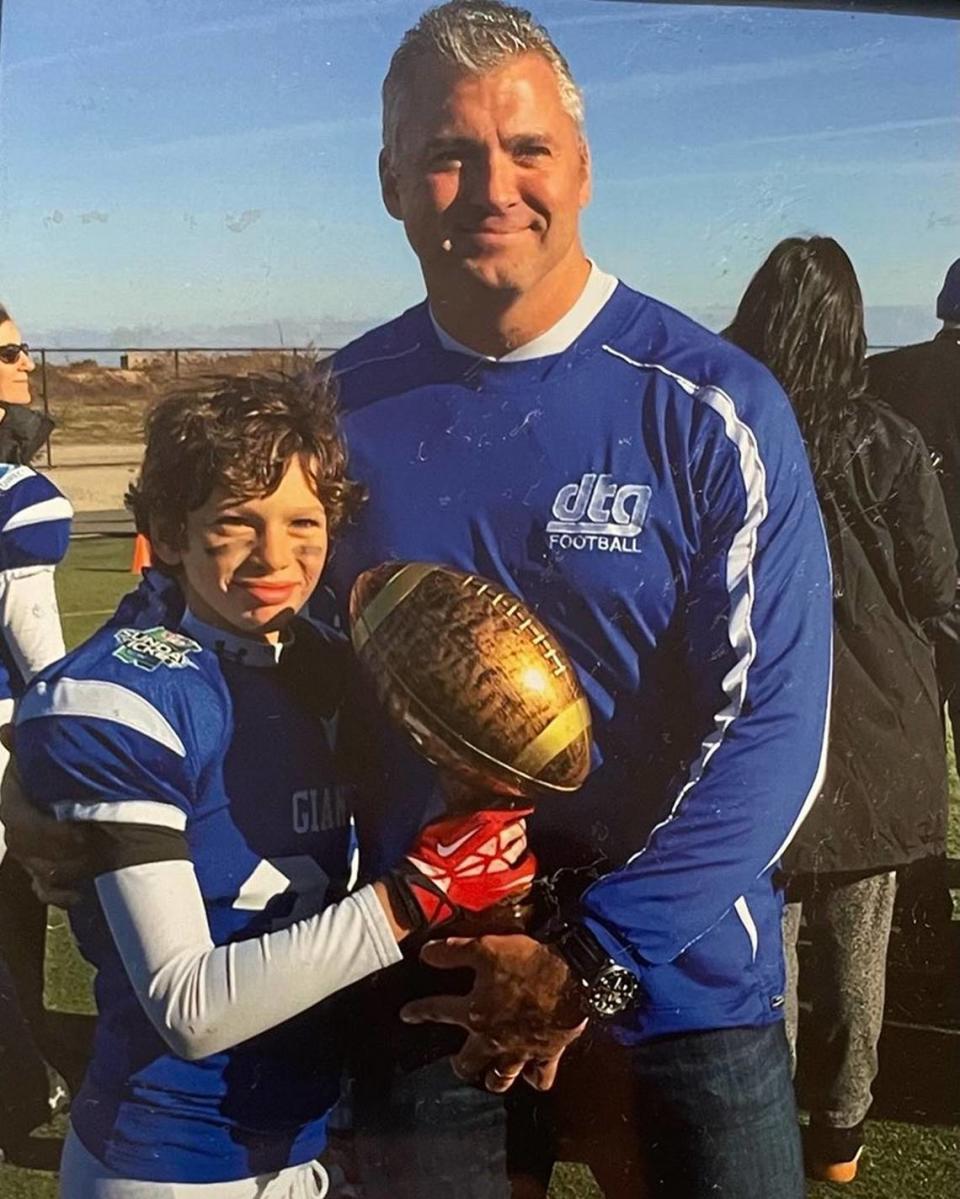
x,y
740,589
739,573
58,507
103,701
821,774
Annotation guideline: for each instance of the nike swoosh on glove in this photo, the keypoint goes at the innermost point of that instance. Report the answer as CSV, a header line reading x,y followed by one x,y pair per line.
x,y
464,863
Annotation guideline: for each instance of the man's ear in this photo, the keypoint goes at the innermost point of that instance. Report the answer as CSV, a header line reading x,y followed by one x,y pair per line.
x,y
168,553
388,187
586,179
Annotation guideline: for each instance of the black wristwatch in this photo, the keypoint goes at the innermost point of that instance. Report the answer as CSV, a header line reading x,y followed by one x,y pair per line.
x,y
606,988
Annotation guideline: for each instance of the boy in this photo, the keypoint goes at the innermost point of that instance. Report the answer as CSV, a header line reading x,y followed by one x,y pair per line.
x,y
199,754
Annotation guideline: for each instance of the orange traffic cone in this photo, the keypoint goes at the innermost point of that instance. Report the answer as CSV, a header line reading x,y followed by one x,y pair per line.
x,y
141,554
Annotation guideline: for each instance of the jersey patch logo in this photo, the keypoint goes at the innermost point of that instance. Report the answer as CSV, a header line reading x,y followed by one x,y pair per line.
x,y
599,514
149,648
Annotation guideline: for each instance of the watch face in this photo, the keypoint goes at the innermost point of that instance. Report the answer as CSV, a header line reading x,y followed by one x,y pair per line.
x,y
612,992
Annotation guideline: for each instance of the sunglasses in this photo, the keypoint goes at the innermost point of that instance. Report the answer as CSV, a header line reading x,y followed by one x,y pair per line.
x,y
10,353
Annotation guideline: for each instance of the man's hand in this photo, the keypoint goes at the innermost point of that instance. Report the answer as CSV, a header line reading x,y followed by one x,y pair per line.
x,y
521,1014
51,853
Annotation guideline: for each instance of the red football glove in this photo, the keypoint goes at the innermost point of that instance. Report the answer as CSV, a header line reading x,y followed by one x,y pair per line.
x,y
464,864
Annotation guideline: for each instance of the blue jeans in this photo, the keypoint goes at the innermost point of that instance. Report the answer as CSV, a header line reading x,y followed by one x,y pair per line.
x,y
425,1134
706,1115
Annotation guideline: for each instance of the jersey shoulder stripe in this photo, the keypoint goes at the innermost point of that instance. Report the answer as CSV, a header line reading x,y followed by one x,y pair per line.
x,y
689,387
57,507
34,520
124,729
101,700
154,684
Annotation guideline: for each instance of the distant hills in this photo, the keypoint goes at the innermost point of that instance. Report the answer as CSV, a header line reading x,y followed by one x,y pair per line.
x,y
273,334
886,325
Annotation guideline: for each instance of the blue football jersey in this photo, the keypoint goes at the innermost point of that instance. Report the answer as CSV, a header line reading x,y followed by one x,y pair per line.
x,y
218,749
646,489
34,532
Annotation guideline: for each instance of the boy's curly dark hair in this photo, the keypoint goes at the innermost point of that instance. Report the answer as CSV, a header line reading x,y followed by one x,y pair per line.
x,y
239,432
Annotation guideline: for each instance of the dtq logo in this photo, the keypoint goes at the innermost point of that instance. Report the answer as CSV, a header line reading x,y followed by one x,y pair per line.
x,y
149,648
599,514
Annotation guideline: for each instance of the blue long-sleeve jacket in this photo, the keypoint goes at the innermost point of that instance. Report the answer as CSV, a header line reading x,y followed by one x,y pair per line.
x,y
648,492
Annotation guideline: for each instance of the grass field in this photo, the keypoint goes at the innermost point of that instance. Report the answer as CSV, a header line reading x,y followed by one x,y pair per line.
x,y
901,1160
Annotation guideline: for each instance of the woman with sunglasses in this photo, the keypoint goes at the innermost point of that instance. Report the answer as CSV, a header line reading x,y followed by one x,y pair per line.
x,y
884,798
16,365
34,532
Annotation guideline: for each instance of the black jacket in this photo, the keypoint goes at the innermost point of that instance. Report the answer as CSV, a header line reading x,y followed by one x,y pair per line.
x,y
884,802
922,383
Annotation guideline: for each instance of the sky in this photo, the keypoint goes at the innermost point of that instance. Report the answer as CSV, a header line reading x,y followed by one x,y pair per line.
x,y
206,173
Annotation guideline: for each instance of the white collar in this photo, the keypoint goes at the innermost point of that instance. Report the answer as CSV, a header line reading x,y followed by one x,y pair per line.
x,y
597,290
231,647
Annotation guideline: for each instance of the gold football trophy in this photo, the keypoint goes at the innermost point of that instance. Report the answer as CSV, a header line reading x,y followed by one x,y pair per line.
x,y
480,685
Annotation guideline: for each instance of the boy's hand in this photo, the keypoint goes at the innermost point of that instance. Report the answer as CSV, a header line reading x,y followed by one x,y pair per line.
x,y
463,864
53,854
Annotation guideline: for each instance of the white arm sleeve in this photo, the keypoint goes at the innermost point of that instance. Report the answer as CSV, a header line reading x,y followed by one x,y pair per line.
x,y
30,618
204,998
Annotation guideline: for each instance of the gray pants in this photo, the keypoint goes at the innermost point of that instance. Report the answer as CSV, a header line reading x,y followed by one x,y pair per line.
x,y
848,924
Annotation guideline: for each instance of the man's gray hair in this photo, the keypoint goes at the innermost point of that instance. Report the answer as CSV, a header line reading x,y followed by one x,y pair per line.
x,y
476,36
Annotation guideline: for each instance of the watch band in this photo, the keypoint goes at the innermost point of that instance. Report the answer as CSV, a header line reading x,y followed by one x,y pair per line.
x,y
606,988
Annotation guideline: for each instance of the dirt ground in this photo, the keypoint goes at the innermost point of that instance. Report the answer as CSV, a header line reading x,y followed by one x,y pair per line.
x,y
99,412
93,477
95,405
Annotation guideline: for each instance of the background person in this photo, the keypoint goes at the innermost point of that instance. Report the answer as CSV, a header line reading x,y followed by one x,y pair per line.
x,y
34,534
922,383
884,800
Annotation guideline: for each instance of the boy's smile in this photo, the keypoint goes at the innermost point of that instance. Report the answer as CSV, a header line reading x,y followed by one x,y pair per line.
x,y
249,565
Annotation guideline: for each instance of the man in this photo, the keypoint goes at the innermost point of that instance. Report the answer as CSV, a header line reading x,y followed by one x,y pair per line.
x,y
922,382
643,484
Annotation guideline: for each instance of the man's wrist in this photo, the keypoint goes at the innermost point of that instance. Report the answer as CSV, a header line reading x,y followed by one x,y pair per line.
x,y
604,987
